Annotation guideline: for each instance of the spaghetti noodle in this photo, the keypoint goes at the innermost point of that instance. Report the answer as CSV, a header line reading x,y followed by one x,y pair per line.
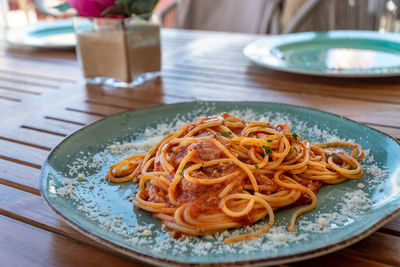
x,y
221,172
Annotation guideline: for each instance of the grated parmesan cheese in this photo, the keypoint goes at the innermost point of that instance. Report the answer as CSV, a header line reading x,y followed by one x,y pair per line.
x,y
87,172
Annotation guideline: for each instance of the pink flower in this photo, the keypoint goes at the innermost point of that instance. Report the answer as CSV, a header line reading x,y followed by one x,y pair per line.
x,y
90,8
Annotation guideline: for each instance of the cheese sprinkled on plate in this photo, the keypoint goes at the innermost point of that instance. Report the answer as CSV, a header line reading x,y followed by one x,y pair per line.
x,y
87,185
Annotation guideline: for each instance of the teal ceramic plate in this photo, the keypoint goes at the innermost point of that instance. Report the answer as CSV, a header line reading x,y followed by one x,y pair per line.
x,y
332,53
73,185
58,34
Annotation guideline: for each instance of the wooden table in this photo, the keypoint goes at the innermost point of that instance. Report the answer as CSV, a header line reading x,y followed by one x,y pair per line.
x,y
43,99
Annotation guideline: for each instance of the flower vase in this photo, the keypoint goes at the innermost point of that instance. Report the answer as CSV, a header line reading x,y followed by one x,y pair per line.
x,y
118,52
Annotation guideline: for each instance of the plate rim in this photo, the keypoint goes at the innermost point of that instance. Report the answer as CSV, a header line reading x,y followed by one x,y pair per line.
x,y
26,31
360,33
132,254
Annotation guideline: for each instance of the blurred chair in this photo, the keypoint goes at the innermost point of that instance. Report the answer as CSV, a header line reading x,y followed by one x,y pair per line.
x,y
250,16
16,13
42,8
281,16
318,15
166,11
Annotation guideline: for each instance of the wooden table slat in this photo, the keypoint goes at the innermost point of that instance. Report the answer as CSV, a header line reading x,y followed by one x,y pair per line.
x,y
379,247
29,80
392,227
9,100
112,101
19,73
32,209
25,136
40,69
29,89
38,56
76,117
19,152
345,260
359,91
31,246
393,132
56,127
36,83
379,113
14,95
94,108
19,176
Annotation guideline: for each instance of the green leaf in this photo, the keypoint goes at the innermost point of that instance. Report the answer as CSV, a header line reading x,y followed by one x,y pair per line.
x,y
267,149
295,136
132,7
116,9
62,7
140,7
226,133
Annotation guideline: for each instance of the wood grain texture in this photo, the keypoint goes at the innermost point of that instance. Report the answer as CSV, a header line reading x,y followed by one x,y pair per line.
x,y
31,246
392,227
43,99
379,247
32,210
51,125
15,95
385,114
31,155
19,176
29,137
342,258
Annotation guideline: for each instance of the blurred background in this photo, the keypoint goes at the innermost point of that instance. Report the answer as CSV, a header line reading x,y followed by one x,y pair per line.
x,y
250,16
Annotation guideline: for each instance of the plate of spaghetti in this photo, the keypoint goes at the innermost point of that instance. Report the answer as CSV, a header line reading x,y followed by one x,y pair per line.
x,y
218,182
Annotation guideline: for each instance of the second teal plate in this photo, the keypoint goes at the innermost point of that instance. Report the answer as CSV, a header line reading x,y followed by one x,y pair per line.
x,y
57,34
333,53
